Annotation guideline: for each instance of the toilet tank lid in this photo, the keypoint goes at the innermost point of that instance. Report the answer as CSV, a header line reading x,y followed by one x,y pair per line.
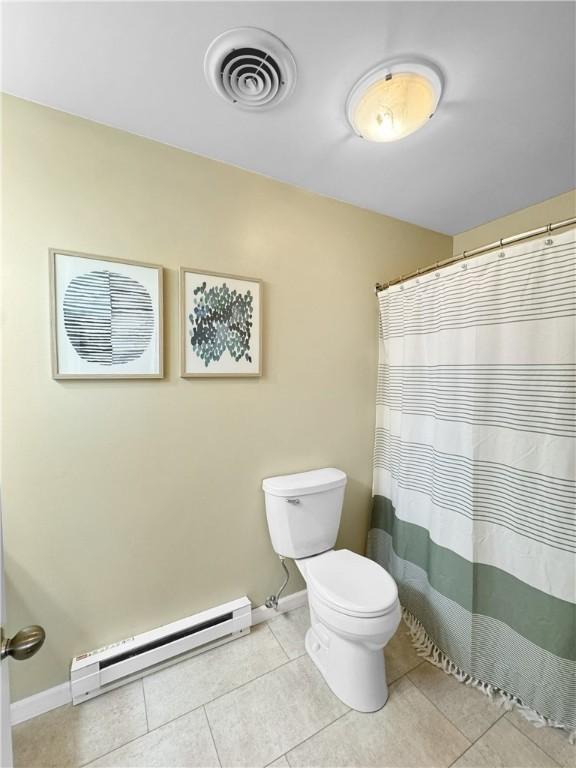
x,y
302,483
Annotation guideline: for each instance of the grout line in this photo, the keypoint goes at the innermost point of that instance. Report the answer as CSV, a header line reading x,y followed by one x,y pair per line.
x,y
531,740
458,757
189,711
391,682
212,735
285,755
270,671
142,735
203,705
472,741
277,758
243,685
145,705
125,743
477,739
442,714
267,623
215,698
111,751
221,695
500,716
312,735
348,711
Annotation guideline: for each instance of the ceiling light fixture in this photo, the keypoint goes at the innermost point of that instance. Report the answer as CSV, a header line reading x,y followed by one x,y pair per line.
x,y
394,100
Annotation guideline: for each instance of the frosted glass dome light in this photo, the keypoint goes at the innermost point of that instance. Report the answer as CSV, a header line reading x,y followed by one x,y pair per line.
x,y
393,101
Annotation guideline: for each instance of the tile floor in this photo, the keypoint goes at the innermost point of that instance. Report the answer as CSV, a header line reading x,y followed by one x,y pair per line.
x,y
259,701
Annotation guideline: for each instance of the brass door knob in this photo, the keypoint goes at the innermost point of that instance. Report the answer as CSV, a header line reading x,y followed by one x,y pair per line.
x,y
24,644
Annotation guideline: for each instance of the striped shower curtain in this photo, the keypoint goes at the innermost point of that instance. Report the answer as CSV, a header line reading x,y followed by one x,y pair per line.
x,y
474,471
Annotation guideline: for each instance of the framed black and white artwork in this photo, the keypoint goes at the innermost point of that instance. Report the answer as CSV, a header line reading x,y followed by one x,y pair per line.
x,y
106,317
221,324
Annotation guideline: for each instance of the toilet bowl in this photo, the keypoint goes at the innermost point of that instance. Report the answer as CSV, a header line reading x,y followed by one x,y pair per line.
x,y
354,611
354,607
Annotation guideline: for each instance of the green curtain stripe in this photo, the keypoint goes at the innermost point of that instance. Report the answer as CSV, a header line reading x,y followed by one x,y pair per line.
x,y
546,621
485,648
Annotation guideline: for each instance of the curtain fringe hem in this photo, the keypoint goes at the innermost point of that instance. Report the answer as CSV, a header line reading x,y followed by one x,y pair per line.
x,y
426,648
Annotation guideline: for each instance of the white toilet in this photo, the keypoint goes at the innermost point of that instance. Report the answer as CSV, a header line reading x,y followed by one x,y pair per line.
x,y
354,608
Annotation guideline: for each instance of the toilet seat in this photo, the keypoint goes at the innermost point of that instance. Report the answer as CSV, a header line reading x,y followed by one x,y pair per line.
x,y
351,584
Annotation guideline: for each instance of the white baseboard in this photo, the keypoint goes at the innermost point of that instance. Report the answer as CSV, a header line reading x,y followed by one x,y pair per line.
x,y
288,603
59,695
40,703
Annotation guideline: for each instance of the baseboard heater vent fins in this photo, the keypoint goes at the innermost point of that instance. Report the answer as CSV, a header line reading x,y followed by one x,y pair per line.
x,y
101,670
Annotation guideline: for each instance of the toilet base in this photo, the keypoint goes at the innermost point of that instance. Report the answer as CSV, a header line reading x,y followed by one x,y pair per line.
x,y
355,673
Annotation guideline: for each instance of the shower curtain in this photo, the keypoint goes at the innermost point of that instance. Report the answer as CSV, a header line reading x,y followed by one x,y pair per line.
x,y
474,469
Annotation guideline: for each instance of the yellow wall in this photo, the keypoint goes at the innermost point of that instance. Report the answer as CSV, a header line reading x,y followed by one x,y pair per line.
x,y
554,209
128,504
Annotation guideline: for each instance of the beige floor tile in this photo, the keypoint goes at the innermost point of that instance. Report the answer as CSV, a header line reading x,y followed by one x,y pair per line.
x,y
280,763
71,736
469,709
407,731
183,742
179,689
400,654
503,746
553,741
257,723
290,629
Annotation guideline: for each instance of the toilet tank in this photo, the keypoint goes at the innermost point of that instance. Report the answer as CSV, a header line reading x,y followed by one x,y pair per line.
x,y
303,511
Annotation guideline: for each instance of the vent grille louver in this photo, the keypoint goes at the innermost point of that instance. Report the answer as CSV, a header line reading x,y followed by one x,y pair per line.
x,y
251,75
250,68
168,638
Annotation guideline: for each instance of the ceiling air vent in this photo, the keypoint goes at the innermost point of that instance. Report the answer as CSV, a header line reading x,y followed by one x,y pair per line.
x,y
250,68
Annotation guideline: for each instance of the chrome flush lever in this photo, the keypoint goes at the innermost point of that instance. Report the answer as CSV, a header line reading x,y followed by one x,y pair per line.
x,y
293,501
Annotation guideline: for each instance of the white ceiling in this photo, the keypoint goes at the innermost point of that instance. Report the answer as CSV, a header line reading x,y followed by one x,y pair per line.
x,y
502,139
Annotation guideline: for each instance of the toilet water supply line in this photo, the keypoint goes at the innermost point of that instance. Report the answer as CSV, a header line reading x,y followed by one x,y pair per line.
x,y
272,601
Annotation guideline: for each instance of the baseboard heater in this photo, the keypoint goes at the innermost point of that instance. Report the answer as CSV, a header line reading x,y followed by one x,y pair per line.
x,y
101,670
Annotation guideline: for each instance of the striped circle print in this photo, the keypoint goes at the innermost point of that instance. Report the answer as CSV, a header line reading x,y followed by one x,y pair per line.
x,y
108,317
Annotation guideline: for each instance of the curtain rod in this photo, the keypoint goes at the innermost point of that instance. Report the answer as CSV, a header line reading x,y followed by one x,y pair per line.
x,y
476,251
